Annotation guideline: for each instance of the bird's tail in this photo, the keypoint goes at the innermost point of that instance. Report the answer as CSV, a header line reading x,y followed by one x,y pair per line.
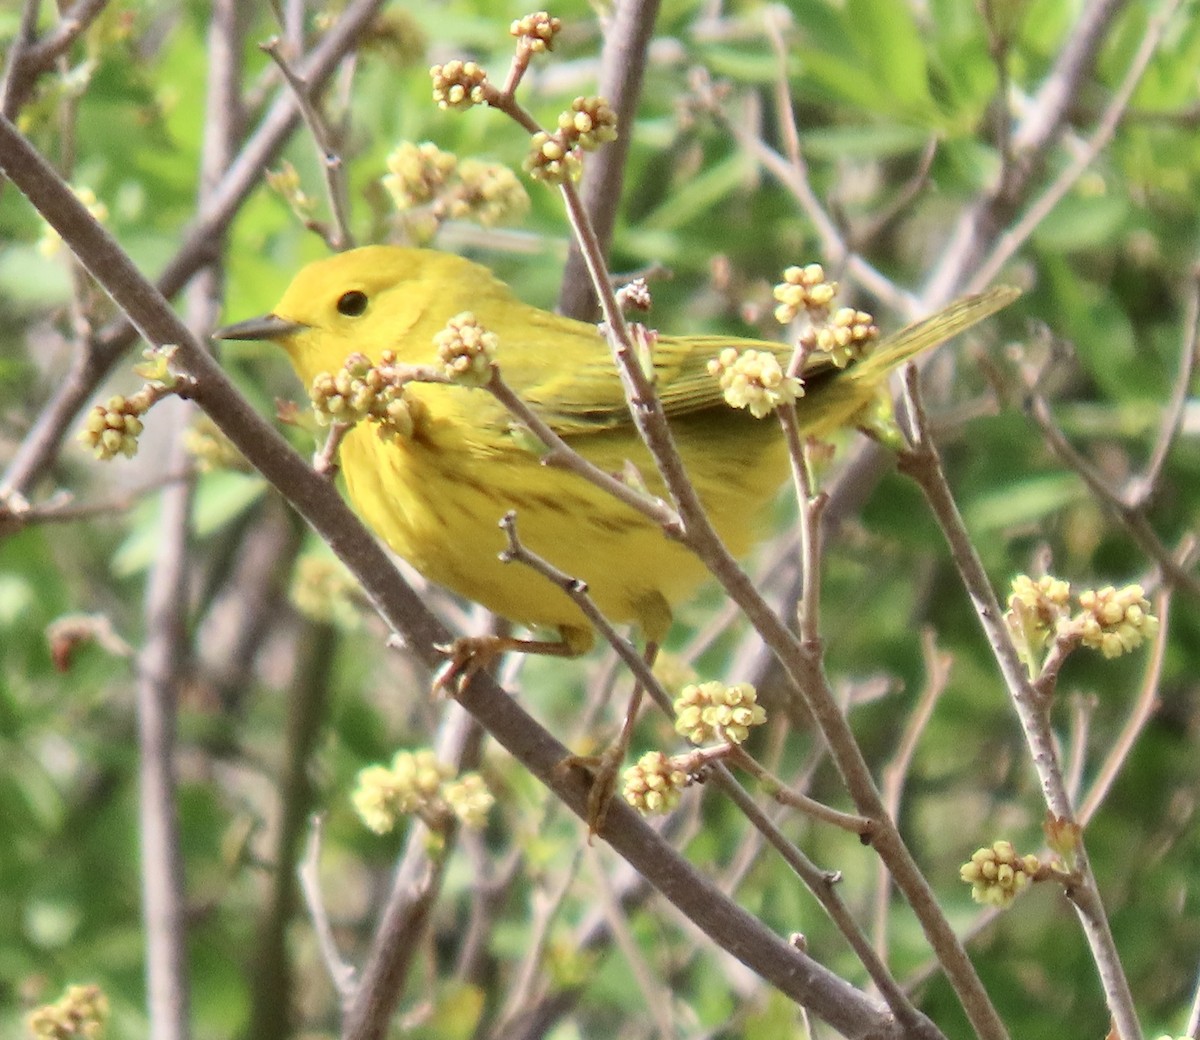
x,y
947,323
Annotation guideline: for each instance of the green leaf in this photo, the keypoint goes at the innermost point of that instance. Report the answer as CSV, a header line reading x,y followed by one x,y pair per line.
x,y
1028,501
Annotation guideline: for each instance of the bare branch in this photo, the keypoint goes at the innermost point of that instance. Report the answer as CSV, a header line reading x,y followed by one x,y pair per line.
x,y
622,64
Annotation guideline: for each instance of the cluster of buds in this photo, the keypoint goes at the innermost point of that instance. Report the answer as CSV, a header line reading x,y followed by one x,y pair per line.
x,y
556,157
422,175
459,84
845,336
535,32
323,590
466,350
997,874
1111,620
804,290
80,1014
362,390
1114,621
286,183
754,379
654,784
113,428
1035,608
710,711
416,783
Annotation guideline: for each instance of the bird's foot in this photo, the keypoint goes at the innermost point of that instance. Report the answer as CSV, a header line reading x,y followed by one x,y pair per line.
x,y
602,771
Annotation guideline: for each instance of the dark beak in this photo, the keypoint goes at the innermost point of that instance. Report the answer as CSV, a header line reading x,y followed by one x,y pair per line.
x,y
268,327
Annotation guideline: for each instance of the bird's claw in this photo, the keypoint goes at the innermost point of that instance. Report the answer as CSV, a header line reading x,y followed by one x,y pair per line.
x,y
464,657
602,770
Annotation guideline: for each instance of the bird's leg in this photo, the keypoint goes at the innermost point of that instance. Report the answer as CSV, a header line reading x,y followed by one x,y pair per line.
x,y
605,767
469,654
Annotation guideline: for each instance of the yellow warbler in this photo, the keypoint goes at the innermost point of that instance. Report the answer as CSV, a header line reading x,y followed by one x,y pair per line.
x,y
436,493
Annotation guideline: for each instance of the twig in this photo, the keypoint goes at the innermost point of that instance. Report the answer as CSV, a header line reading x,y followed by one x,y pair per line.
x,y
860,826
790,970
1143,708
325,460
1132,519
341,974
622,64
338,237
516,552
1083,707
980,223
201,244
415,888
545,904
159,677
655,992
563,455
823,885
1141,493
271,974
923,464
1006,246
62,508
30,57
937,675
833,244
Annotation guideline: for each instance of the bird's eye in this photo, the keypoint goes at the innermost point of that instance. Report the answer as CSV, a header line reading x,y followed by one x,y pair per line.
x,y
352,304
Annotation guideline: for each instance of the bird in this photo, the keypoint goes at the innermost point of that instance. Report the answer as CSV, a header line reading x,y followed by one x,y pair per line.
x,y
436,494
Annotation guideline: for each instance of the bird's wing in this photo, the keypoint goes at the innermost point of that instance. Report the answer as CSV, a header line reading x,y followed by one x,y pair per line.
x,y
579,391
575,386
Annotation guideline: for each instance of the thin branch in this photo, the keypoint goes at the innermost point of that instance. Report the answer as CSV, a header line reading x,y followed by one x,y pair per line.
x,y
201,245
415,887
824,886
30,57
860,826
158,691
338,237
622,64
656,993
937,675
1144,706
341,974
1083,707
1032,139
923,464
1143,491
1132,519
1007,244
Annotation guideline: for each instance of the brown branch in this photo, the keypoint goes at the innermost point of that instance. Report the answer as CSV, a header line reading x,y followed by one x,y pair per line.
x,y
790,970
923,464
415,887
1144,706
201,245
30,57
338,237
937,675
158,689
981,223
622,64
1007,244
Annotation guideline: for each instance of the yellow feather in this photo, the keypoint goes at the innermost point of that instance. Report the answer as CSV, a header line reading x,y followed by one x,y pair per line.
x,y
436,497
